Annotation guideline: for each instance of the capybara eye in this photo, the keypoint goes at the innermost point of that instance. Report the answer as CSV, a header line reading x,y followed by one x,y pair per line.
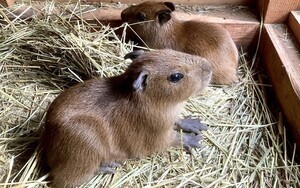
x,y
174,78
141,16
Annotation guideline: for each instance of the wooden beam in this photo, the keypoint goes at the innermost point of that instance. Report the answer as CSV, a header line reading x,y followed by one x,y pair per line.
x,y
276,11
294,24
242,28
7,3
281,58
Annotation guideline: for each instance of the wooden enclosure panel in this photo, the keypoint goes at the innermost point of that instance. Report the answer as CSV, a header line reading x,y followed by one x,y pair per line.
x,y
294,23
276,11
242,28
281,60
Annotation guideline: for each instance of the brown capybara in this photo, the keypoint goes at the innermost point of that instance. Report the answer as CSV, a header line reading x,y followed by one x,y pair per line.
x,y
157,27
98,123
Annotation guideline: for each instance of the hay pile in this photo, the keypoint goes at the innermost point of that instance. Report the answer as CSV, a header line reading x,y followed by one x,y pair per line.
x,y
40,58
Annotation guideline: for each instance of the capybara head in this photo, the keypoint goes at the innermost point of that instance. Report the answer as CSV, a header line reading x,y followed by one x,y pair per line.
x,y
168,75
148,11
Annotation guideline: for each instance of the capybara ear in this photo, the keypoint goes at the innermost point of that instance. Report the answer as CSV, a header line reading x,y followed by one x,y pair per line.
x,y
170,5
164,16
134,54
141,81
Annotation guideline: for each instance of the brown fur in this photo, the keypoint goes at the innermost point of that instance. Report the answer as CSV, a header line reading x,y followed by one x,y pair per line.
x,y
207,40
105,120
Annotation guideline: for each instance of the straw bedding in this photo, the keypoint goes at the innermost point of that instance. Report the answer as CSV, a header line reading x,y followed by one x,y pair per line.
x,y
42,57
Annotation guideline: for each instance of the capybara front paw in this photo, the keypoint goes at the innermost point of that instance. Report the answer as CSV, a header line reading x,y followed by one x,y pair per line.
x,y
190,141
190,125
108,168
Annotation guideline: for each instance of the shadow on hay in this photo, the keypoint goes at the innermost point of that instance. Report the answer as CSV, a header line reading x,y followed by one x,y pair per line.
x,y
59,73
47,53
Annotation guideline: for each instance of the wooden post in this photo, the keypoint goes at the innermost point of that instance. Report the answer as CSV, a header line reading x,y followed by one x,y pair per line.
x,y
281,60
276,11
294,23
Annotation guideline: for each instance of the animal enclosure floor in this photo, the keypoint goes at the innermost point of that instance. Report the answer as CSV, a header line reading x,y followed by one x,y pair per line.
x,y
243,146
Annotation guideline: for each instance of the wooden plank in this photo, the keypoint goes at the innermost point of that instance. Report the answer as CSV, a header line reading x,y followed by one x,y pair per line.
x,y
7,3
276,11
243,29
294,23
281,58
242,25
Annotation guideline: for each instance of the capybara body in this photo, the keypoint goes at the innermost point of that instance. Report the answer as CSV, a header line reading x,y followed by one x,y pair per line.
x,y
157,27
103,121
